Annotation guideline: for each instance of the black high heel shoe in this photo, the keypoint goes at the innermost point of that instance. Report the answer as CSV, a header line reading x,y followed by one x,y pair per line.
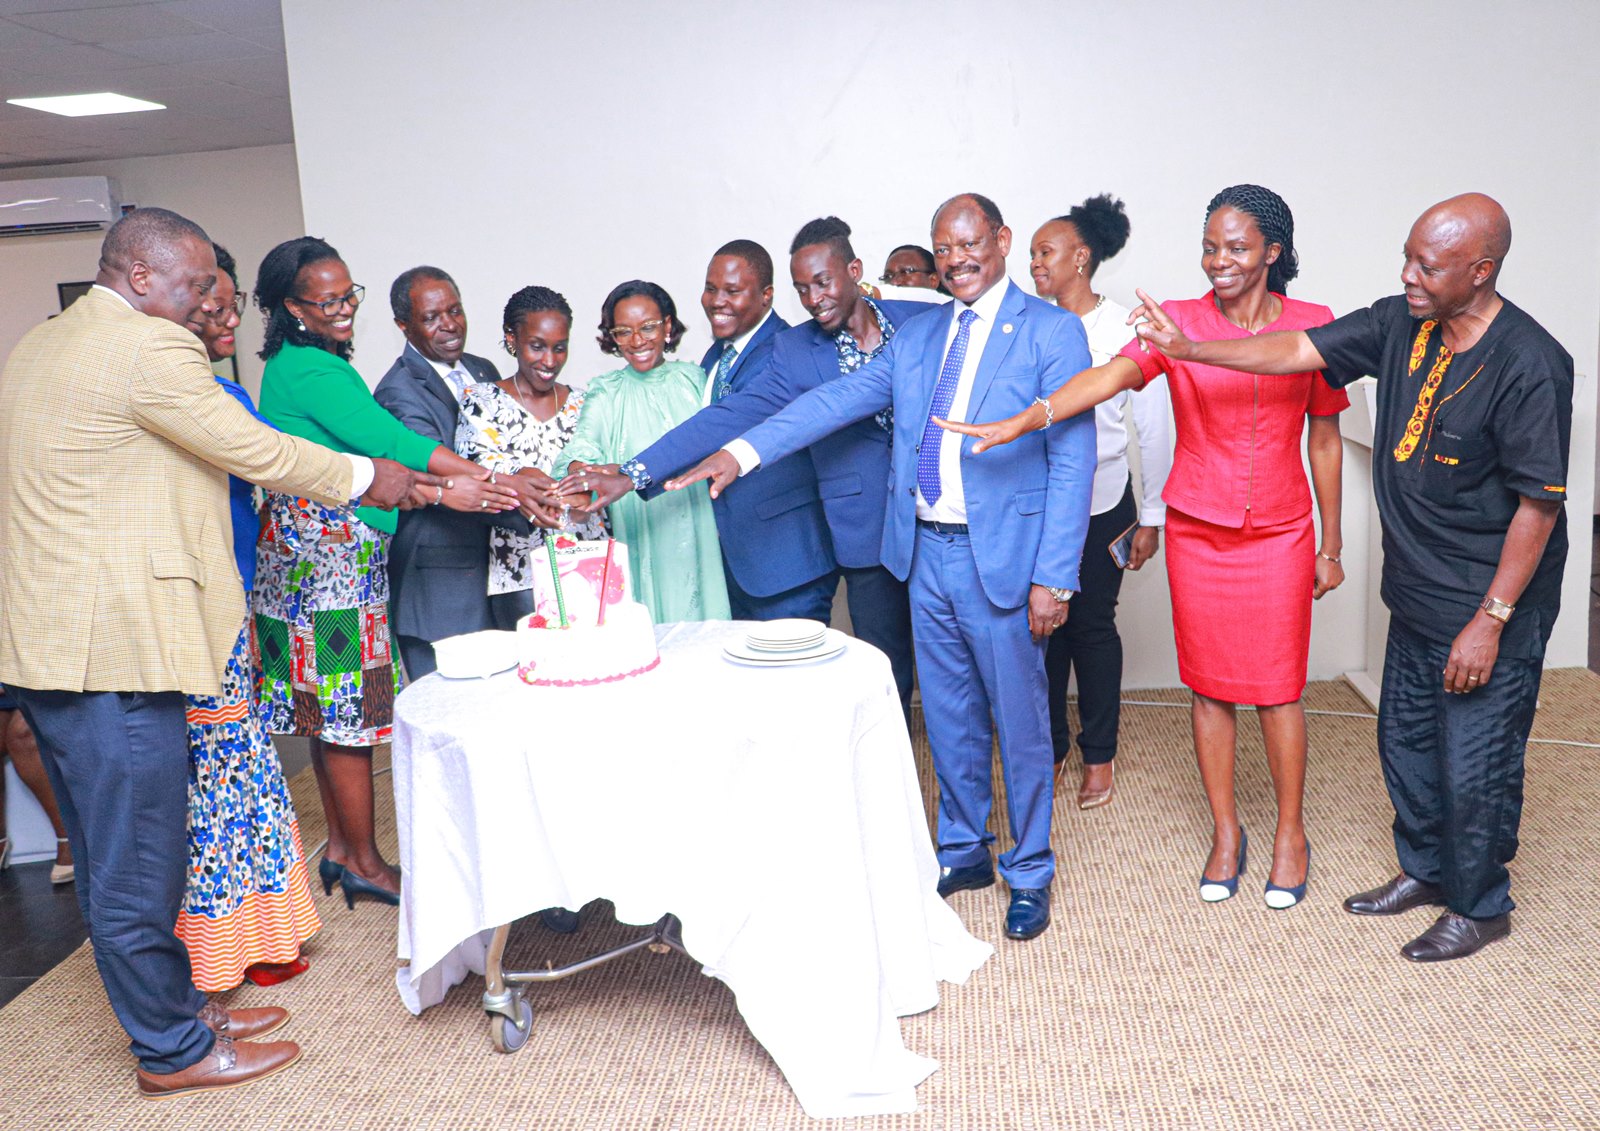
x,y
329,873
353,885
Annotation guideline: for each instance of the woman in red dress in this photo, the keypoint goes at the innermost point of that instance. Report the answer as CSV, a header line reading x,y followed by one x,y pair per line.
x,y
1242,557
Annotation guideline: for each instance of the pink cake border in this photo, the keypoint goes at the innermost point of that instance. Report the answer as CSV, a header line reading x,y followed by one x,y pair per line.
x,y
522,674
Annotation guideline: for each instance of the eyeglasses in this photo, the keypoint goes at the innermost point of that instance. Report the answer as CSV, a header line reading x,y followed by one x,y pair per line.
x,y
649,331
237,306
334,305
900,273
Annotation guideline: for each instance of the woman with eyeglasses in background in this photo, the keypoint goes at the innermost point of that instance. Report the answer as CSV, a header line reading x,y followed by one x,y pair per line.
x,y
672,539
322,586
247,905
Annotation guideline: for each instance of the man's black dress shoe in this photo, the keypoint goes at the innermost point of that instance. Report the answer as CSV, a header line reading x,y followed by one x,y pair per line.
x,y
1400,894
1456,936
1029,913
970,878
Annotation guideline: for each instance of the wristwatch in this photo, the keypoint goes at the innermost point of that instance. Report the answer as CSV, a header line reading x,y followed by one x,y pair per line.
x,y
1065,595
1498,609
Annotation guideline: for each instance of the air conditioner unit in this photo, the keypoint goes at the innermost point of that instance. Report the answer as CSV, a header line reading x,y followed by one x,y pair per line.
x,y
58,204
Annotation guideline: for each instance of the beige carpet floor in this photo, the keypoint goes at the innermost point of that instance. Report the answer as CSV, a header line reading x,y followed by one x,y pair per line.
x,y
1140,1008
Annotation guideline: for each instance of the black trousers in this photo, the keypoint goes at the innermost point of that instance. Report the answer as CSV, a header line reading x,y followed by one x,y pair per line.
x,y
1454,767
1089,644
880,614
119,765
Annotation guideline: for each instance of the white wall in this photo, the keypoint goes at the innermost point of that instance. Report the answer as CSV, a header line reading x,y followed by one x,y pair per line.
x,y
577,146
246,199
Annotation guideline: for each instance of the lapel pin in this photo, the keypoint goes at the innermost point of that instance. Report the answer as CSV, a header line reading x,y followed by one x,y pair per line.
x,y
1006,329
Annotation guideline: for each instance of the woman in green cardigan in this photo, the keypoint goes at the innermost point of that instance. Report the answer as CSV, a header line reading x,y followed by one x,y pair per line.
x,y
322,589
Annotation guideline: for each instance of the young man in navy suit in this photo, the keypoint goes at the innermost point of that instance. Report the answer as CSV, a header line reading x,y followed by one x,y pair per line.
x,y
990,550
846,330
776,553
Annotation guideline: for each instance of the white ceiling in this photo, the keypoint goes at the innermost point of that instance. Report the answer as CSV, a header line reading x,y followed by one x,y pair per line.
x,y
218,65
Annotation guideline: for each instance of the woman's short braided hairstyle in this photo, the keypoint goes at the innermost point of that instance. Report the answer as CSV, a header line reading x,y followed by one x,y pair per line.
x,y
1274,219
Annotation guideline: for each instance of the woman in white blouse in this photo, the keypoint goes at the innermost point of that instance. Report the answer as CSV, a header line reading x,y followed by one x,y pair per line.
x,y
1064,255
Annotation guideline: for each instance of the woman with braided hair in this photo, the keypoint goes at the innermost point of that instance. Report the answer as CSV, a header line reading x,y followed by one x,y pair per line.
x,y
1242,559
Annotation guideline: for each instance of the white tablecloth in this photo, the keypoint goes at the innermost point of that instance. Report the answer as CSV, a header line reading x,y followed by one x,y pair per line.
x,y
775,812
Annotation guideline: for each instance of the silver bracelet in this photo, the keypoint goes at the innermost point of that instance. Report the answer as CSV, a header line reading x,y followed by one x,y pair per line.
x,y
439,498
1049,413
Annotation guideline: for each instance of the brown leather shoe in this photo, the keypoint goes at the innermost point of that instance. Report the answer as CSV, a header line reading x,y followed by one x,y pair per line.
x,y
1092,797
1400,894
228,1065
243,1024
1456,936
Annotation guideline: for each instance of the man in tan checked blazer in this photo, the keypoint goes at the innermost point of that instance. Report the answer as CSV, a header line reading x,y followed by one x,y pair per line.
x,y
119,595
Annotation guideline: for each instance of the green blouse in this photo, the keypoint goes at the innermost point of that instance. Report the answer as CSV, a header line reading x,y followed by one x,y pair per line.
x,y
316,395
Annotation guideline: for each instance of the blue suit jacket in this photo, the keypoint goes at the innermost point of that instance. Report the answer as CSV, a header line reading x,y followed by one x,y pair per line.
x,y
438,558
772,527
1027,502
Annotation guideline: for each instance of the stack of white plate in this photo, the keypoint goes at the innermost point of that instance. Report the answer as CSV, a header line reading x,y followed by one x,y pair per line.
x,y
791,641
476,655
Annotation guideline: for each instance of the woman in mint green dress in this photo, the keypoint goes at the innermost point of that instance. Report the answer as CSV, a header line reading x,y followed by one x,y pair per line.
x,y
672,539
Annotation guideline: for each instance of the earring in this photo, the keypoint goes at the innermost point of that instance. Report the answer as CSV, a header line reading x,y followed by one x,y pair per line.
x,y
509,348
299,325
1080,268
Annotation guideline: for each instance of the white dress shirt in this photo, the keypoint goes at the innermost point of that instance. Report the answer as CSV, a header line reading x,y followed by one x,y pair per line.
x,y
737,344
1108,331
361,469
952,504
457,388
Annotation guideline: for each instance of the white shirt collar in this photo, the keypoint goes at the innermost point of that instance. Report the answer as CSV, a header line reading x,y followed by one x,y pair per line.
x,y
988,304
440,367
744,339
114,294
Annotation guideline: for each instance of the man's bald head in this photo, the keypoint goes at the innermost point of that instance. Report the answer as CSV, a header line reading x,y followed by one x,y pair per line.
x,y
1471,222
1453,257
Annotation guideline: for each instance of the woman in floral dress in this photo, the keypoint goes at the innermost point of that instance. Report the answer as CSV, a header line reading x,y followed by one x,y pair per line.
x,y
521,422
246,905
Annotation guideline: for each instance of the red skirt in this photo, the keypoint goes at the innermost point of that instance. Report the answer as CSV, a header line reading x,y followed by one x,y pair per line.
x,y
1241,607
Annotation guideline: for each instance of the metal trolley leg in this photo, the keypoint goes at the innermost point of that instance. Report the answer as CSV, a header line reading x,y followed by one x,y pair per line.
x,y
505,1000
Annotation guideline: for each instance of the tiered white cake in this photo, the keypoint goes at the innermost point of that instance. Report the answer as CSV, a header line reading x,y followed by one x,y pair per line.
x,y
585,651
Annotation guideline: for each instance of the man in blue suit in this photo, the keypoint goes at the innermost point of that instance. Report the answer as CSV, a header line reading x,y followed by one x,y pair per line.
x,y
846,330
776,554
990,548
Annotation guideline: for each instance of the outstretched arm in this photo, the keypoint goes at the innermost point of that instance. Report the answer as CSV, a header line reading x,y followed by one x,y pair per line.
x,y
1282,352
1080,393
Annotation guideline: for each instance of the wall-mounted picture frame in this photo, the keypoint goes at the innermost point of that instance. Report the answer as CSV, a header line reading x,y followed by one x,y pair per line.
x,y
69,293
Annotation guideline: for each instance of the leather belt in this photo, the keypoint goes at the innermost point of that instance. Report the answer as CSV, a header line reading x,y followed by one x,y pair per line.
x,y
943,527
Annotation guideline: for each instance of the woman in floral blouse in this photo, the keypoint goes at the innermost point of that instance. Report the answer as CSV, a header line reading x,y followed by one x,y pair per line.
x,y
521,422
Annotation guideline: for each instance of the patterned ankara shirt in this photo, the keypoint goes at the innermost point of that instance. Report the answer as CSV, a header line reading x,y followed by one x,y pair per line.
x,y
853,357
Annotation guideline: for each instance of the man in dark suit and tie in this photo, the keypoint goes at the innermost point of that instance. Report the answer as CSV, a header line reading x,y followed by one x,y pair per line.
x,y
776,554
439,558
990,551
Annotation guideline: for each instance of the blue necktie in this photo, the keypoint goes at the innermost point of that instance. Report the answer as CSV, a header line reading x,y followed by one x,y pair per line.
x,y
943,393
724,383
